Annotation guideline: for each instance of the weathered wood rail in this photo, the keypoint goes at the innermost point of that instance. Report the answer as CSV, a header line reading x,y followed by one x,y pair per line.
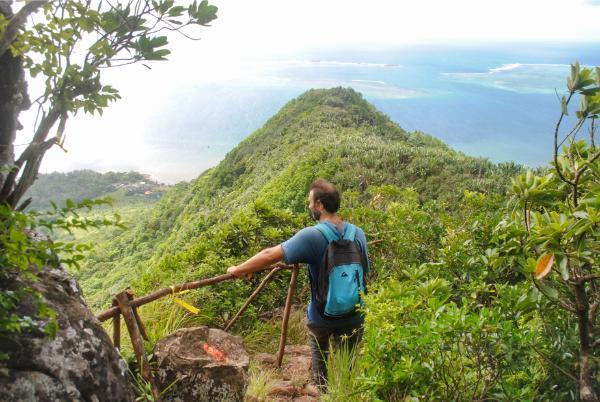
x,y
124,304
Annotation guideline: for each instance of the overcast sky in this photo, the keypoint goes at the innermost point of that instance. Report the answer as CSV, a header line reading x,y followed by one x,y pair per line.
x,y
276,25
248,33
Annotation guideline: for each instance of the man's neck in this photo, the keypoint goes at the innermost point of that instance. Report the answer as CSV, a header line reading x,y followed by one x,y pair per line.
x,y
333,218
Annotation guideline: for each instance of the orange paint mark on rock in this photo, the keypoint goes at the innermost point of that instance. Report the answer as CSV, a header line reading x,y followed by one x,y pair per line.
x,y
213,352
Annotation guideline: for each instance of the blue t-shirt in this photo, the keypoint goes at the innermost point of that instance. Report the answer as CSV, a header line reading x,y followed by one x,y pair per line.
x,y
308,247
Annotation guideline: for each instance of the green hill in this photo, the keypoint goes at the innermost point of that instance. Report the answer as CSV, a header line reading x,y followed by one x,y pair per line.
x,y
256,196
123,187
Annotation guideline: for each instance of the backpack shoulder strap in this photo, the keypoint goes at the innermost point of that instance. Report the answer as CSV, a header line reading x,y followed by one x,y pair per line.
x,y
327,232
350,232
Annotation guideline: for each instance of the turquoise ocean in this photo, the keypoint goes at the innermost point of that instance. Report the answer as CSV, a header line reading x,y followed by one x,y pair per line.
x,y
496,101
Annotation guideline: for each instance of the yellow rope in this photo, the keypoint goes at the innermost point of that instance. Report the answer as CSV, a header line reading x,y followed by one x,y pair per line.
x,y
185,305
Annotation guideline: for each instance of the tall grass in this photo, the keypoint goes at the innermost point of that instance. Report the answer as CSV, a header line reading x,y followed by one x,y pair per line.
x,y
343,373
260,383
264,336
162,318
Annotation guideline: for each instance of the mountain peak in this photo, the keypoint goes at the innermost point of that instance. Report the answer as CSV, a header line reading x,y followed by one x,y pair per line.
x,y
341,106
333,97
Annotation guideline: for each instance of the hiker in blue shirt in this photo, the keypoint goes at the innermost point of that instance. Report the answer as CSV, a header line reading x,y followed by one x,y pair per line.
x,y
309,246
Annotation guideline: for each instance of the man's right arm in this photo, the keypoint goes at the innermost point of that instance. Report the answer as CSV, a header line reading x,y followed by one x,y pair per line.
x,y
302,247
298,249
266,257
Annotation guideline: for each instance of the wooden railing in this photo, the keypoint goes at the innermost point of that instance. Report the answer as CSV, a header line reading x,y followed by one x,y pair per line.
x,y
125,304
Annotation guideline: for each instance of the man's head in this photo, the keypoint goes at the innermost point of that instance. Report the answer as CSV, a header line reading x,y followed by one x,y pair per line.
x,y
323,197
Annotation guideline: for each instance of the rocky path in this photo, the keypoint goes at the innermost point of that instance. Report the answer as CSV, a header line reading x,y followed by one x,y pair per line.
x,y
293,381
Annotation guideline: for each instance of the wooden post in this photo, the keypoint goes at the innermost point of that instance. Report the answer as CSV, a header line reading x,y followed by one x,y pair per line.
x,y
137,315
116,328
253,296
136,341
286,314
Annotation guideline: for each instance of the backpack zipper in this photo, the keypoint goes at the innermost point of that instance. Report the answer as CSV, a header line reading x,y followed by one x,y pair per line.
x,y
358,284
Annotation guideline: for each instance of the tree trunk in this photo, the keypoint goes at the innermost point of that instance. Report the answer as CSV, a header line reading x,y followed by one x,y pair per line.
x,y
13,100
587,384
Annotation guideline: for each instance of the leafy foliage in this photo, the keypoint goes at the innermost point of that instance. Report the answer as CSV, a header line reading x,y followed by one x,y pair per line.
x,y
559,232
123,33
421,344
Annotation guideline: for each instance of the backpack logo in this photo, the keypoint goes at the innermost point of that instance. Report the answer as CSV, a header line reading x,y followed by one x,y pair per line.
x,y
340,281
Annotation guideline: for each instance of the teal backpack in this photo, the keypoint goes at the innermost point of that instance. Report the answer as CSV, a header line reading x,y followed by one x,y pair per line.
x,y
341,277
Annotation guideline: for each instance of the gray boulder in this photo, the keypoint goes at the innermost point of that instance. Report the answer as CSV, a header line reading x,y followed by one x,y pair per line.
x,y
79,364
202,364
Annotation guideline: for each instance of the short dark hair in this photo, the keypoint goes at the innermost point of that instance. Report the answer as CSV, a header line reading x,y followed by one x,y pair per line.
x,y
326,192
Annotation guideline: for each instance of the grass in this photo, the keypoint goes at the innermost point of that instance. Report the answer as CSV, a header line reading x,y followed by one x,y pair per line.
x,y
343,372
260,383
162,318
264,336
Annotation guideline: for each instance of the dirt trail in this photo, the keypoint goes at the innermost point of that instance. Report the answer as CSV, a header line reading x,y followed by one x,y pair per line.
x,y
293,381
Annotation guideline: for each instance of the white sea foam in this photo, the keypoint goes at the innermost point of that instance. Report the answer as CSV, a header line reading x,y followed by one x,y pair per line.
x,y
517,77
337,63
505,67
512,66
369,81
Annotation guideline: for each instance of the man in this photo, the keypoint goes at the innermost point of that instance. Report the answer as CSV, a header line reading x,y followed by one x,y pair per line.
x,y
308,246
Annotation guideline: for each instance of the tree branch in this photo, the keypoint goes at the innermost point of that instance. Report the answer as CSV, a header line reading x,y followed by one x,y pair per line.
x,y
40,136
593,133
556,366
30,172
574,131
555,301
526,217
579,174
16,22
556,166
587,278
